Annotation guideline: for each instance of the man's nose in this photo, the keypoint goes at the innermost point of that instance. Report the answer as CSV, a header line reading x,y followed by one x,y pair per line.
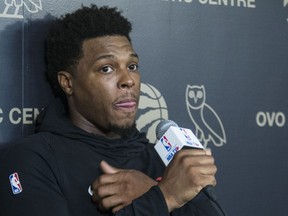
x,y
126,80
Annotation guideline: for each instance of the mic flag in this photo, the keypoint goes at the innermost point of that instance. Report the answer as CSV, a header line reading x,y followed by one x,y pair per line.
x,y
172,138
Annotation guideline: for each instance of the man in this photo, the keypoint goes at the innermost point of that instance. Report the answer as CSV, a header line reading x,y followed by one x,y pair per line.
x,y
87,157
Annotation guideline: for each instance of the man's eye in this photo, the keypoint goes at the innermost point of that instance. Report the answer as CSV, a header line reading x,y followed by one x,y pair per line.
x,y
106,69
133,67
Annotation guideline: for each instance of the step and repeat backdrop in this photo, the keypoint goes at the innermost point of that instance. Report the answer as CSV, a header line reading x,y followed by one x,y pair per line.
x,y
218,67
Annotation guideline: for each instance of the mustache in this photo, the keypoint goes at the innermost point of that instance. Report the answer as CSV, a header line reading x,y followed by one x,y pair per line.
x,y
127,96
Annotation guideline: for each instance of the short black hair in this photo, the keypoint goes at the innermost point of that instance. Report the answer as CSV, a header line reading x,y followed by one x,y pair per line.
x,y
66,37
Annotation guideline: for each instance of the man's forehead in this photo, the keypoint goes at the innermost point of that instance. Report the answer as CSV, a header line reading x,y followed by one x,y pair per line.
x,y
108,41
109,46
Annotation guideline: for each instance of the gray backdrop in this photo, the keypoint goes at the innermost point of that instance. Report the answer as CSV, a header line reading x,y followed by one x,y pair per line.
x,y
218,67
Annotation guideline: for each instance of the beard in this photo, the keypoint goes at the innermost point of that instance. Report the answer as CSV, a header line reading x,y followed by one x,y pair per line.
x,y
124,131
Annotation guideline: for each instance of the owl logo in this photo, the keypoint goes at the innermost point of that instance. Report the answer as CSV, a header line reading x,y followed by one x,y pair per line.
x,y
12,8
208,126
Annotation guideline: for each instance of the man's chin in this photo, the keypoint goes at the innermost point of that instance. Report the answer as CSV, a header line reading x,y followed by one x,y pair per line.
x,y
124,130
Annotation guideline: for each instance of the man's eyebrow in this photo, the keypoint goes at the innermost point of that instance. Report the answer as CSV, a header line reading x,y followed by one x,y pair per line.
x,y
105,57
134,55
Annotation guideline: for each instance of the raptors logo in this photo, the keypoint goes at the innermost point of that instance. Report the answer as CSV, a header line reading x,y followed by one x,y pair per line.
x,y
12,8
151,110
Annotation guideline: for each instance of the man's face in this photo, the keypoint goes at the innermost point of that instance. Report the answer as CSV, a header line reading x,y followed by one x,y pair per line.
x,y
106,87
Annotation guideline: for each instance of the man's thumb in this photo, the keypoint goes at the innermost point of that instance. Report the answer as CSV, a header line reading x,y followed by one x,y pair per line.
x,y
107,168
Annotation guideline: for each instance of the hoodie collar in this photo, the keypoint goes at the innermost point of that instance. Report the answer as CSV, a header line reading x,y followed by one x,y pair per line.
x,y
53,119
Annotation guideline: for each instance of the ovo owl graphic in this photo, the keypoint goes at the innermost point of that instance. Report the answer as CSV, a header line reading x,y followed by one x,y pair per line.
x,y
15,8
208,126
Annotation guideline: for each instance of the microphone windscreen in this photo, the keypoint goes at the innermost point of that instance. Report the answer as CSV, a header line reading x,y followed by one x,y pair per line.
x,y
163,126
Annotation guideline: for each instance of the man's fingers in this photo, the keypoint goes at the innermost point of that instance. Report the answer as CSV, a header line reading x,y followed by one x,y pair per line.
x,y
117,208
106,200
116,188
193,158
110,202
191,152
105,185
107,168
209,170
104,180
111,175
209,180
208,151
103,191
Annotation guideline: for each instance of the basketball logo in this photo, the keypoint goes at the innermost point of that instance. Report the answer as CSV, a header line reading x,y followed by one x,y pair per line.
x,y
152,110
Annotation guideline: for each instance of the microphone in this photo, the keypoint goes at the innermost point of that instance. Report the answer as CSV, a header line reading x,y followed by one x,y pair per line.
x,y
172,139
163,126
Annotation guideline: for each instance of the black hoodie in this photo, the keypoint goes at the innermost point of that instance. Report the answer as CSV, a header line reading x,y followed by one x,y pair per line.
x,y
49,172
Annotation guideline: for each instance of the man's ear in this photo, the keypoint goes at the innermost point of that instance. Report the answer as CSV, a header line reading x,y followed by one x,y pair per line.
x,y
65,82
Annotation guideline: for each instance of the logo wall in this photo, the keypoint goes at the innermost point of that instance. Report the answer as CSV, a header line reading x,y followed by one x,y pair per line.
x,y
15,8
153,109
270,119
208,126
227,3
285,4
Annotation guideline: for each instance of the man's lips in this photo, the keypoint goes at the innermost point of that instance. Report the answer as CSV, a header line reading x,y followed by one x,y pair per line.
x,y
127,103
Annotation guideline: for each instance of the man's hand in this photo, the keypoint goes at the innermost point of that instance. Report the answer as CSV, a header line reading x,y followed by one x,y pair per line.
x,y
186,175
117,188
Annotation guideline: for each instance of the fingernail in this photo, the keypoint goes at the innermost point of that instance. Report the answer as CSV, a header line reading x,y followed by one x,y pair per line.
x,y
208,151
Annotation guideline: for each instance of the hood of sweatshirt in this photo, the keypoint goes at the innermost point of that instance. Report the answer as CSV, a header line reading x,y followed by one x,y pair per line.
x,y
53,119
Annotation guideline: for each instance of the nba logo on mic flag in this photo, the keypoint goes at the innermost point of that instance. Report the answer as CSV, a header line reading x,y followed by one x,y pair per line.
x,y
15,183
166,143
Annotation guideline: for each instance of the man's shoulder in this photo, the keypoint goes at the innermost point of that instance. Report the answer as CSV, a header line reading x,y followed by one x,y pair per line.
x,y
28,147
34,141
29,155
